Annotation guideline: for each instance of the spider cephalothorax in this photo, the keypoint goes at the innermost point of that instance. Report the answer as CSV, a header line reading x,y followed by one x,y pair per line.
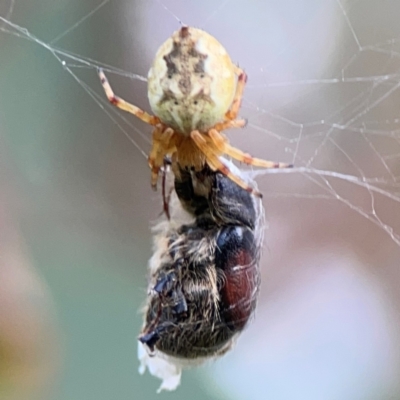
x,y
195,92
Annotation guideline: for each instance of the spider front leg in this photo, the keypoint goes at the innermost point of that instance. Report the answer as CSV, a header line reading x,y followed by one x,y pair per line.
x,y
162,145
237,99
124,105
212,157
222,144
235,123
232,113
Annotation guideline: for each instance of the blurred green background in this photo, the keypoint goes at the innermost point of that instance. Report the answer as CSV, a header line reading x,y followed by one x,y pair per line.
x,y
76,205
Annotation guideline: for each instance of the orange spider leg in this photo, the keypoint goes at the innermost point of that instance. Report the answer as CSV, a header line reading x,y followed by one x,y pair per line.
x,y
222,144
123,105
162,145
237,99
154,155
236,123
216,164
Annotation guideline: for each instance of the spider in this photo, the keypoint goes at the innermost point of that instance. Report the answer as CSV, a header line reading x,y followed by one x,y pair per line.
x,y
195,93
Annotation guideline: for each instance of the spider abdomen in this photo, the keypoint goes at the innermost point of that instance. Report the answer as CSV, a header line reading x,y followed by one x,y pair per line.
x,y
192,81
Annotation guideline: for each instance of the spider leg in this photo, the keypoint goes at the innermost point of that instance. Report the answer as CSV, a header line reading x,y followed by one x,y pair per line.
x,y
153,156
124,105
216,164
237,99
222,144
235,123
161,146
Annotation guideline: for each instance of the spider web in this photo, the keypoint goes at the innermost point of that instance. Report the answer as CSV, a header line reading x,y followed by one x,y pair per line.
x,y
323,93
329,107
